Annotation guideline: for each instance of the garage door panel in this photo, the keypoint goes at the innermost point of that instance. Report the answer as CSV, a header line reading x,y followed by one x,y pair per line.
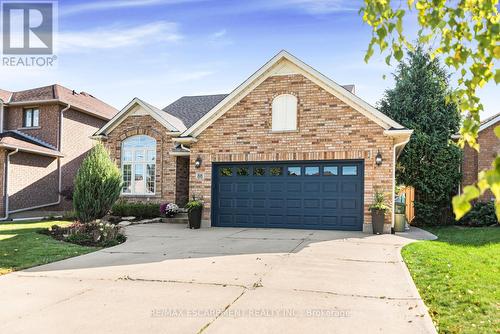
x,y
294,187
329,203
258,203
277,203
312,203
311,186
314,195
347,203
330,187
276,187
260,187
294,203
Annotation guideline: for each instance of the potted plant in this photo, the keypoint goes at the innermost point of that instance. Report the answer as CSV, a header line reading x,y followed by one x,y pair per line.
x,y
195,209
378,209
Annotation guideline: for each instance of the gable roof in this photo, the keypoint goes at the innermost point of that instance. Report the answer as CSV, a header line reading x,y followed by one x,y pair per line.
x,y
83,101
278,65
170,122
190,109
489,122
5,95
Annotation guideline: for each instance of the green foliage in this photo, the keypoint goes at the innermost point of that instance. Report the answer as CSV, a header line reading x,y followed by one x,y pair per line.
x,y
430,162
21,246
457,277
482,214
138,210
97,185
465,34
379,202
194,204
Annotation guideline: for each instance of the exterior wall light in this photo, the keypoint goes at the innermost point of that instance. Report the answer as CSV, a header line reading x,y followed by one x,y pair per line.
x,y
197,163
378,159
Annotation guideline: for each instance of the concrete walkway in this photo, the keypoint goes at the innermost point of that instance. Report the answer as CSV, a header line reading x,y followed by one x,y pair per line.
x,y
169,279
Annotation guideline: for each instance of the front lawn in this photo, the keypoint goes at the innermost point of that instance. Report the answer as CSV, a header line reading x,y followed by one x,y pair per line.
x,y
22,247
458,278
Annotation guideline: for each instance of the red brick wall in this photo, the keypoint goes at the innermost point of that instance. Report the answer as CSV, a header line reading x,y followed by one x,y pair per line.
x,y
475,162
76,141
77,128
49,122
327,129
165,163
33,180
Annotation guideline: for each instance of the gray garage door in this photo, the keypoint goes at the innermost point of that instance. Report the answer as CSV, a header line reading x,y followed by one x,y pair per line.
x,y
309,195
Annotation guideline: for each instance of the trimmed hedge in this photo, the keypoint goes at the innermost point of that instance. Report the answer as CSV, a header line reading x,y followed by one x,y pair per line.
x,y
138,210
481,214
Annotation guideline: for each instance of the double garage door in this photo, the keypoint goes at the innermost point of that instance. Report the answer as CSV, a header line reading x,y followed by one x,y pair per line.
x,y
309,195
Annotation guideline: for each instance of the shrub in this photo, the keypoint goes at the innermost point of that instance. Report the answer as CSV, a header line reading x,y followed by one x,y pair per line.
x,y
97,185
138,210
482,214
69,215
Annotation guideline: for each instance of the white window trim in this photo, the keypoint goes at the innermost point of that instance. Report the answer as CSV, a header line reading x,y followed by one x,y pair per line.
x,y
31,111
133,163
281,125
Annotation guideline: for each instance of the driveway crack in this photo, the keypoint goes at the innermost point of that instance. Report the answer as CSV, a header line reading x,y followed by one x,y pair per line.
x,y
357,295
128,278
221,313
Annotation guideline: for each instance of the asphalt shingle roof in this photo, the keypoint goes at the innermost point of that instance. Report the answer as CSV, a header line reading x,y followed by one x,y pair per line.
x,y
80,100
189,109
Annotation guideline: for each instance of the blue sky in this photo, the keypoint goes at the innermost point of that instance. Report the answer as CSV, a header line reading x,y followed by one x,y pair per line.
x,y
159,50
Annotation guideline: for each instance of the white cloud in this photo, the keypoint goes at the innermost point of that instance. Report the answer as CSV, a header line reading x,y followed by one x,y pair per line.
x,y
113,37
325,6
219,38
314,7
219,34
114,4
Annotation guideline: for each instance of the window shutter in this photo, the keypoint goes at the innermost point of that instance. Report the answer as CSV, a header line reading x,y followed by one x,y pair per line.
x,y
284,113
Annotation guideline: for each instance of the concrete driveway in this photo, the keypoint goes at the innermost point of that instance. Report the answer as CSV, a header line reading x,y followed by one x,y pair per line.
x,y
169,279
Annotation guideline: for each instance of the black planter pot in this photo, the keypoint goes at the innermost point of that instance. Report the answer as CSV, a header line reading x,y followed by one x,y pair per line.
x,y
194,217
378,217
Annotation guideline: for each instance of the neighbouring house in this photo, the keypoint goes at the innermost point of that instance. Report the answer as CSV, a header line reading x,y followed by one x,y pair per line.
x,y
474,162
44,135
288,148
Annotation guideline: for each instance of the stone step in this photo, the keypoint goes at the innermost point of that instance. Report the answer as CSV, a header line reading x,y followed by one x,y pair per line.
x,y
175,220
181,215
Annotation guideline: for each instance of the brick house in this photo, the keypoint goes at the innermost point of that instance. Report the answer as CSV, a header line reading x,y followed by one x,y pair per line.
x,y
44,135
287,148
474,162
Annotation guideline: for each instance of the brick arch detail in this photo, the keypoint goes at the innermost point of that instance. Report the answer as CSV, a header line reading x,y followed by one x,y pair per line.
x,y
160,140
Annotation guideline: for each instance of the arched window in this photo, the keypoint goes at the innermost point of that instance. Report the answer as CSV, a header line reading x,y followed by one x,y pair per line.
x,y
284,113
139,165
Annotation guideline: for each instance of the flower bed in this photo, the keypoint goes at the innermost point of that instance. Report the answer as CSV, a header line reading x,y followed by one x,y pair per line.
x,y
97,234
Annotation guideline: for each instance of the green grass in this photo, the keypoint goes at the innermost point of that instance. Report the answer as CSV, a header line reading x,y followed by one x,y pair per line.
x,y
22,247
458,277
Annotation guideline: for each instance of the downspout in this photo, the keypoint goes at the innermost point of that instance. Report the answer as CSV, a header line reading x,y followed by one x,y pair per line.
x,y
59,168
6,183
395,158
1,115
